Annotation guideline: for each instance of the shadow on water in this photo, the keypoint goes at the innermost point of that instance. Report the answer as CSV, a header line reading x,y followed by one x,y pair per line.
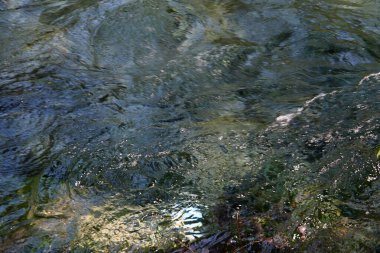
x,y
211,125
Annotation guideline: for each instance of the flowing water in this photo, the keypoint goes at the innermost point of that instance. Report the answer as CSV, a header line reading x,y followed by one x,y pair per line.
x,y
144,125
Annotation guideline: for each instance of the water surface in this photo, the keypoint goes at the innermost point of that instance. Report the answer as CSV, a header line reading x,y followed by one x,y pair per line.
x,y
145,124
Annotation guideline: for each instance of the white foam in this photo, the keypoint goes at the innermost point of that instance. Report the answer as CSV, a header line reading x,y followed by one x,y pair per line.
x,y
366,78
284,120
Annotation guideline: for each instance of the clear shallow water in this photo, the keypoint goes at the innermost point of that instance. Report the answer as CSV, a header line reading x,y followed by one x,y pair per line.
x,y
141,124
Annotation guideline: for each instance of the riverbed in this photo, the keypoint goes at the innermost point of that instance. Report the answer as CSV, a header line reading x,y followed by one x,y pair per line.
x,y
151,125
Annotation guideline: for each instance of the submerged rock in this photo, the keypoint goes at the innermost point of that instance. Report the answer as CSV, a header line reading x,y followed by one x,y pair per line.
x,y
327,193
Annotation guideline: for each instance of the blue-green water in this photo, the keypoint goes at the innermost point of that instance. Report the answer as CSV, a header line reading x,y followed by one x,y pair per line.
x,y
140,125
